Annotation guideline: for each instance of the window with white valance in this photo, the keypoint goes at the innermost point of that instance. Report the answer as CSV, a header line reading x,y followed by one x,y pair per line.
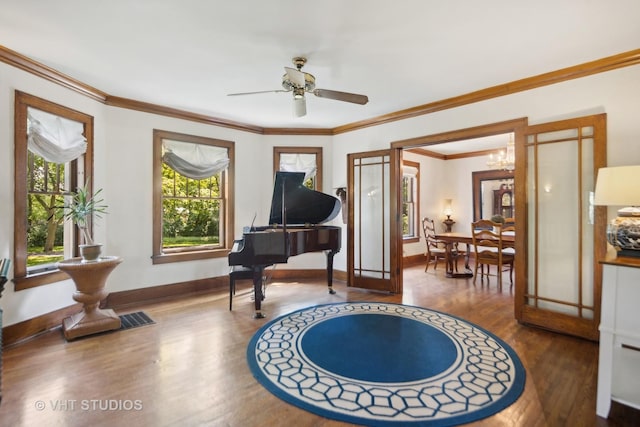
x,y
54,155
300,159
195,161
54,138
410,200
193,197
299,162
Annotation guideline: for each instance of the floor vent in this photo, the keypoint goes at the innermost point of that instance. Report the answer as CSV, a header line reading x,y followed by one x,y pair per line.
x,y
134,320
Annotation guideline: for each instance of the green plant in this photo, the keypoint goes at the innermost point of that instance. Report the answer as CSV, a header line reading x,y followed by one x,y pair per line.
x,y
498,218
80,206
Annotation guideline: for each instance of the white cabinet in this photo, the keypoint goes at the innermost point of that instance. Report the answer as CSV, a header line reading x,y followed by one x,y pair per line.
x,y
619,362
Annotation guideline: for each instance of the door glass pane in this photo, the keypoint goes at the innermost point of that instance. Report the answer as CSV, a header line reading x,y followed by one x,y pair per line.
x,y
588,240
384,208
371,186
532,219
561,181
558,225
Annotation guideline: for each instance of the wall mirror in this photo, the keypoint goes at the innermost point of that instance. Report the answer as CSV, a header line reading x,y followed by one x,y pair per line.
x,y
493,192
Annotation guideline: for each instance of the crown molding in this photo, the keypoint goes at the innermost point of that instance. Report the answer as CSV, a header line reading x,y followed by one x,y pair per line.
x,y
131,104
17,60
609,63
298,131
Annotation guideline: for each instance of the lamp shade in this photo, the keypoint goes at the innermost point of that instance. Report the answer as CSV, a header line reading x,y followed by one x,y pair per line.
x,y
618,186
448,210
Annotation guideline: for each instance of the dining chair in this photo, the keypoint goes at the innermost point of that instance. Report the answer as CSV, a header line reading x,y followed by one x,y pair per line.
x,y
488,250
509,225
509,228
437,249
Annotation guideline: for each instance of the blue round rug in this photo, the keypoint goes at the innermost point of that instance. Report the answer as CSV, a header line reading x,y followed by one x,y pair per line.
x,y
380,364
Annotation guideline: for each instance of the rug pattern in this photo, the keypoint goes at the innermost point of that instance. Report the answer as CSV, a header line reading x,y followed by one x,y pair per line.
x,y
485,376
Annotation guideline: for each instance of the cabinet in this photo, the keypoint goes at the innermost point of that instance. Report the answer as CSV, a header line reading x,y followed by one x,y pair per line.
x,y
619,362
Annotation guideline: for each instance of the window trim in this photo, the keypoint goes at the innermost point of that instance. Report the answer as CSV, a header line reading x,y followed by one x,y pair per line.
x,y
416,237
158,256
277,151
22,102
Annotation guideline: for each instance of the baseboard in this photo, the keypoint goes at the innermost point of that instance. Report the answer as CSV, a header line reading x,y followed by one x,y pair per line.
x,y
122,299
21,331
414,260
29,328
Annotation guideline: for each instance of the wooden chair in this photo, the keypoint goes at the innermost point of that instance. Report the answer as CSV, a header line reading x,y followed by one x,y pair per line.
x,y
509,225
487,245
436,249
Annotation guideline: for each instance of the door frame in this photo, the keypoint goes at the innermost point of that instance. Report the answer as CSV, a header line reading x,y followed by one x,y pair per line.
x,y
519,127
515,126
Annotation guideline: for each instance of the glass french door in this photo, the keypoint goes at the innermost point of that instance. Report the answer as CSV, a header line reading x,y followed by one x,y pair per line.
x,y
370,233
558,285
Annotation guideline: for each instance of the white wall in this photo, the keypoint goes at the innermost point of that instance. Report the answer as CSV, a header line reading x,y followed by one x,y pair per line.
x,y
123,146
440,180
33,302
129,196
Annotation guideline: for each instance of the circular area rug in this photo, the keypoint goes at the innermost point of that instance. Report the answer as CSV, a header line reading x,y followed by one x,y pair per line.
x,y
379,364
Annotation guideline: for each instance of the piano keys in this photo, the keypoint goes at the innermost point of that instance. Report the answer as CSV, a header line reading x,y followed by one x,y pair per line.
x,y
294,229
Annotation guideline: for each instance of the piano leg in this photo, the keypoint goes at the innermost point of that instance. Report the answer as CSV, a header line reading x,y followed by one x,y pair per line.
x,y
258,271
330,255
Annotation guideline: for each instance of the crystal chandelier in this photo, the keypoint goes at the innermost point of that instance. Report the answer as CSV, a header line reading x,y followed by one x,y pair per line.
x,y
505,159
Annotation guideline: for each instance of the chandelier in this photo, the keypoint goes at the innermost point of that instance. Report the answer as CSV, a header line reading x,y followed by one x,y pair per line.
x,y
504,159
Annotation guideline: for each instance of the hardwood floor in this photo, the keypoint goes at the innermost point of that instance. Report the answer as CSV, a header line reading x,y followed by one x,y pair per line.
x,y
189,369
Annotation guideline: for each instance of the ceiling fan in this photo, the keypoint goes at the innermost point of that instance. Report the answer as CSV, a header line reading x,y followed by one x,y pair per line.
x,y
298,82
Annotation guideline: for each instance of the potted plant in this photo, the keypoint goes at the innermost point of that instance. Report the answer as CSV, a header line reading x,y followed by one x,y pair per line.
x,y
498,218
79,207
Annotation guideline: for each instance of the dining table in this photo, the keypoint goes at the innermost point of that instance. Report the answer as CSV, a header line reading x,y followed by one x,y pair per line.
x,y
451,238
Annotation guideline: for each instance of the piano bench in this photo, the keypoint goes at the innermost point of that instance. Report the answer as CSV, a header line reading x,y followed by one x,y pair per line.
x,y
237,272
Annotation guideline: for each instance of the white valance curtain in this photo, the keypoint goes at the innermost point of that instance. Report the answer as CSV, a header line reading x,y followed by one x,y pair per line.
x,y
409,171
195,161
56,139
296,162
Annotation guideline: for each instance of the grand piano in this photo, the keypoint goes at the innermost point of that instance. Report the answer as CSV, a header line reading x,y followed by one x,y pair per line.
x,y
293,229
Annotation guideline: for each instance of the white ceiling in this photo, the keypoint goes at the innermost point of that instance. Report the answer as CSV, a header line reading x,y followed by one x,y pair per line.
x,y
484,143
189,54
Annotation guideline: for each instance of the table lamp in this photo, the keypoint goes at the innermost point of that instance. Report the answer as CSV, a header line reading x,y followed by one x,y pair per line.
x,y
448,211
620,186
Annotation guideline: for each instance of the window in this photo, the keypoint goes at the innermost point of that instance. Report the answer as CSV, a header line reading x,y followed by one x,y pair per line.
x,y
53,154
193,197
300,159
410,199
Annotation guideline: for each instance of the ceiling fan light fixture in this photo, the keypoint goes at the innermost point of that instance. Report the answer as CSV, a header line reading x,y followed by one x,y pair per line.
x,y
298,93
309,82
297,81
299,107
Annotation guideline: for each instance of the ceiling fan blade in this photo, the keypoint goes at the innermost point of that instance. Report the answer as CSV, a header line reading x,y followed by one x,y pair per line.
x,y
296,76
341,96
299,107
260,91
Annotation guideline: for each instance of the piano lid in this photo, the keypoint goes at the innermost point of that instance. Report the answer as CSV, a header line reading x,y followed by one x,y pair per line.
x,y
302,205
